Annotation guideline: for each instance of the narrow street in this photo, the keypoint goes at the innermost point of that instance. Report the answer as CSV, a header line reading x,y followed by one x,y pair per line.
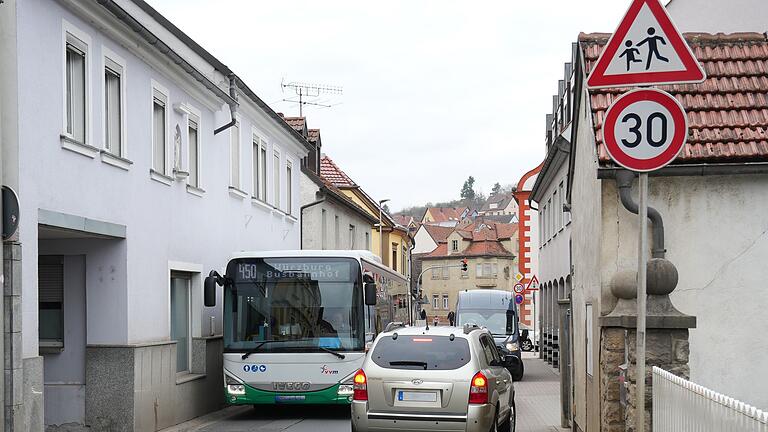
x,y
537,403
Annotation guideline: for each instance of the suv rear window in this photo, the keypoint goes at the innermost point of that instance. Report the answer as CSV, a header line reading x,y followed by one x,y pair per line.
x,y
422,352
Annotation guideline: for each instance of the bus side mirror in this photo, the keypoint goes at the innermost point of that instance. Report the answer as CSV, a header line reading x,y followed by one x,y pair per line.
x,y
209,289
370,294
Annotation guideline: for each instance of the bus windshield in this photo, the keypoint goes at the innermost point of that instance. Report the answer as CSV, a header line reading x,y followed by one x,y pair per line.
x,y
499,322
297,304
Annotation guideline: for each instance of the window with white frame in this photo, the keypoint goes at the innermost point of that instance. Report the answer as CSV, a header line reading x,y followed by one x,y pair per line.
x,y
181,319
435,301
435,273
76,88
454,245
114,117
445,301
352,235
263,172
555,214
256,168
276,180
446,273
288,187
234,155
560,212
193,138
159,129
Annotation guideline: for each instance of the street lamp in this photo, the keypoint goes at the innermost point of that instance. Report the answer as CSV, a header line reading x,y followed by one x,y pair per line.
x,y
381,238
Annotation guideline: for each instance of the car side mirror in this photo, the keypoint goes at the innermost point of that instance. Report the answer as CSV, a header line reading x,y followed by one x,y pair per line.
x,y
370,294
209,288
524,334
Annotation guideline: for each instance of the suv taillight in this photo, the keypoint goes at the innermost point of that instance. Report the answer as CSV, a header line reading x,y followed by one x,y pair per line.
x,y
360,386
478,390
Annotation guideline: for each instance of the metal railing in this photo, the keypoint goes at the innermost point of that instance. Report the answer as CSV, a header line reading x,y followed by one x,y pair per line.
x,y
680,405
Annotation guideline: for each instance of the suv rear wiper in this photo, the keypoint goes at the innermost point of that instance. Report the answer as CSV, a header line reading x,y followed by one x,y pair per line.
x,y
336,353
409,363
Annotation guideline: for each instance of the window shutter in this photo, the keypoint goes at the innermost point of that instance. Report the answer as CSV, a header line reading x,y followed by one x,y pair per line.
x,y
50,280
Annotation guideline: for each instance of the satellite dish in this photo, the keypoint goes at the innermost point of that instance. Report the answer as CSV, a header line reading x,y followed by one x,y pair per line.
x,y
10,212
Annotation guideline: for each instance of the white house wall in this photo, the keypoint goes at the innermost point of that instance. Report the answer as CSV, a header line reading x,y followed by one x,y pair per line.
x,y
164,224
423,241
716,234
585,236
715,16
553,251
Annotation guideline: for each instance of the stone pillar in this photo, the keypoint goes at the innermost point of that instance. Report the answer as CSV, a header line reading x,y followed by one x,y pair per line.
x,y
13,369
666,345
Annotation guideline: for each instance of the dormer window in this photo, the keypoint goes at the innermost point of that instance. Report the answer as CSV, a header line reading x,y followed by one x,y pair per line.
x,y
454,245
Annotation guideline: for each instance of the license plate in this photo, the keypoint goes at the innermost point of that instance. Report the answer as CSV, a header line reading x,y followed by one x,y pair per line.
x,y
407,396
289,398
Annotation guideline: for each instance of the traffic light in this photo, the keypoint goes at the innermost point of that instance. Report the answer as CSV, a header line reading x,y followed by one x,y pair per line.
x,y
464,264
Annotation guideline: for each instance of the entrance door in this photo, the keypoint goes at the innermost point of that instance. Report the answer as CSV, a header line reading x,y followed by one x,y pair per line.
x,y
62,328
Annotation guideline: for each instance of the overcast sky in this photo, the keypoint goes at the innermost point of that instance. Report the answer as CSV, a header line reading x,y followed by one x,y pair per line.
x,y
434,91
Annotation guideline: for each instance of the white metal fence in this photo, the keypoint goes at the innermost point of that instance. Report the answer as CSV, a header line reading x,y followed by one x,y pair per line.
x,y
682,406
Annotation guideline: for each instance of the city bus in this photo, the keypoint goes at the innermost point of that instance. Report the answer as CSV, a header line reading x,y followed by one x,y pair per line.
x,y
297,324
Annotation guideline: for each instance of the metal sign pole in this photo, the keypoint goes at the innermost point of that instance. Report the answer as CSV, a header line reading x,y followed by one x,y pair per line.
x,y
641,298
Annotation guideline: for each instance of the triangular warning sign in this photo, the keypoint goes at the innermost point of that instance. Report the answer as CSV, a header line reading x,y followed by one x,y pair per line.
x,y
646,49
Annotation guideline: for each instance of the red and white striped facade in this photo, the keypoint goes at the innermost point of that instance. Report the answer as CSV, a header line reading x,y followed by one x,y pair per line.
x,y
528,236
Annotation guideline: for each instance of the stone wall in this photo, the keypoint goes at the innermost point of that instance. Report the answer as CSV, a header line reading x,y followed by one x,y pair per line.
x,y
612,355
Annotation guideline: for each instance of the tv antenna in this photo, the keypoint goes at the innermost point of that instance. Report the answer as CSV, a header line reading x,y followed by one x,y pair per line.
x,y
304,90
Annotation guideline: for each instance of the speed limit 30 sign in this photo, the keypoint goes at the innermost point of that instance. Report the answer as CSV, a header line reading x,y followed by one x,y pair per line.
x,y
645,129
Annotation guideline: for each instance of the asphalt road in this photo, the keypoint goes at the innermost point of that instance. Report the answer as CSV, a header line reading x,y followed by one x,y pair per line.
x,y
537,402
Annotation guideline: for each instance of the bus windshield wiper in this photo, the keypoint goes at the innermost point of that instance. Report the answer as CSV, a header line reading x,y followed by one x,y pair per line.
x,y
262,343
409,363
336,353
257,347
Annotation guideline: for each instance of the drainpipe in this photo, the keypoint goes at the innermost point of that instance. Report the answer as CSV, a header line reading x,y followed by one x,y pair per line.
x,y
301,223
232,105
624,181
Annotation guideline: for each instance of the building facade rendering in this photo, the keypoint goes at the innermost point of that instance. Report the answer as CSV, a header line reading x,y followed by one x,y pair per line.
x,y
141,162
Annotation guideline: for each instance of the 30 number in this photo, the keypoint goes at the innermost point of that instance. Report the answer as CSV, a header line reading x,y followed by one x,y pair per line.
x,y
638,135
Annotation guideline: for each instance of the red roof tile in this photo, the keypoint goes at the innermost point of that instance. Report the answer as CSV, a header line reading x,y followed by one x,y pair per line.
x,y
475,249
445,214
313,135
438,233
331,172
727,113
297,123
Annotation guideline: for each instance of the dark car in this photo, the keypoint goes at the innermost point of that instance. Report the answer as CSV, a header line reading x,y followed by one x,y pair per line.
x,y
496,311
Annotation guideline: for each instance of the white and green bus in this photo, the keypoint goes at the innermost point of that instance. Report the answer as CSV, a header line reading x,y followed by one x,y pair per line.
x,y
297,323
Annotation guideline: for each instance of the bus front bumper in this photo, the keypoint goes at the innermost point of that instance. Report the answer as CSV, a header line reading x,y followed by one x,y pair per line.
x,y
330,396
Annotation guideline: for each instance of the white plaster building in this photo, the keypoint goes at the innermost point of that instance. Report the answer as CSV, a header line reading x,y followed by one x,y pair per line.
x,y
128,198
712,201
329,219
715,16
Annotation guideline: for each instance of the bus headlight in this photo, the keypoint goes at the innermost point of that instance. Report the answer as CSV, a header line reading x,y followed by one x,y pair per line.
x,y
237,389
512,346
234,387
345,390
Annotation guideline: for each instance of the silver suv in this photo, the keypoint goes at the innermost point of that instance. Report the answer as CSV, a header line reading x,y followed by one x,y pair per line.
x,y
436,379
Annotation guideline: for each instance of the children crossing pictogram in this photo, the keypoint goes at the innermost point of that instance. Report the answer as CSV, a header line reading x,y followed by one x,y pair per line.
x,y
646,49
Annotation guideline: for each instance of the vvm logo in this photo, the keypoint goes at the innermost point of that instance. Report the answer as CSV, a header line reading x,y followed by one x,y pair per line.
x,y
325,370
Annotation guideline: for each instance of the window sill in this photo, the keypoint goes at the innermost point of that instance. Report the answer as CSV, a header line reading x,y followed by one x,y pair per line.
x,y
196,191
290,219
116,161
187,377
259,203
160,177
237,192
73,145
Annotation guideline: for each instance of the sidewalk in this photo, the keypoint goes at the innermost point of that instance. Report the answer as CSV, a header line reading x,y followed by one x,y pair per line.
x,y
537,397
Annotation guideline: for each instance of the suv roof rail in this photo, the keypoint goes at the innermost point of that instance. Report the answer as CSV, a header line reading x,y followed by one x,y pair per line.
x,y
470,327
393,325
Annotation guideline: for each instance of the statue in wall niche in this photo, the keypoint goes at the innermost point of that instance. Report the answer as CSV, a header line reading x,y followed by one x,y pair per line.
x,y
177,169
